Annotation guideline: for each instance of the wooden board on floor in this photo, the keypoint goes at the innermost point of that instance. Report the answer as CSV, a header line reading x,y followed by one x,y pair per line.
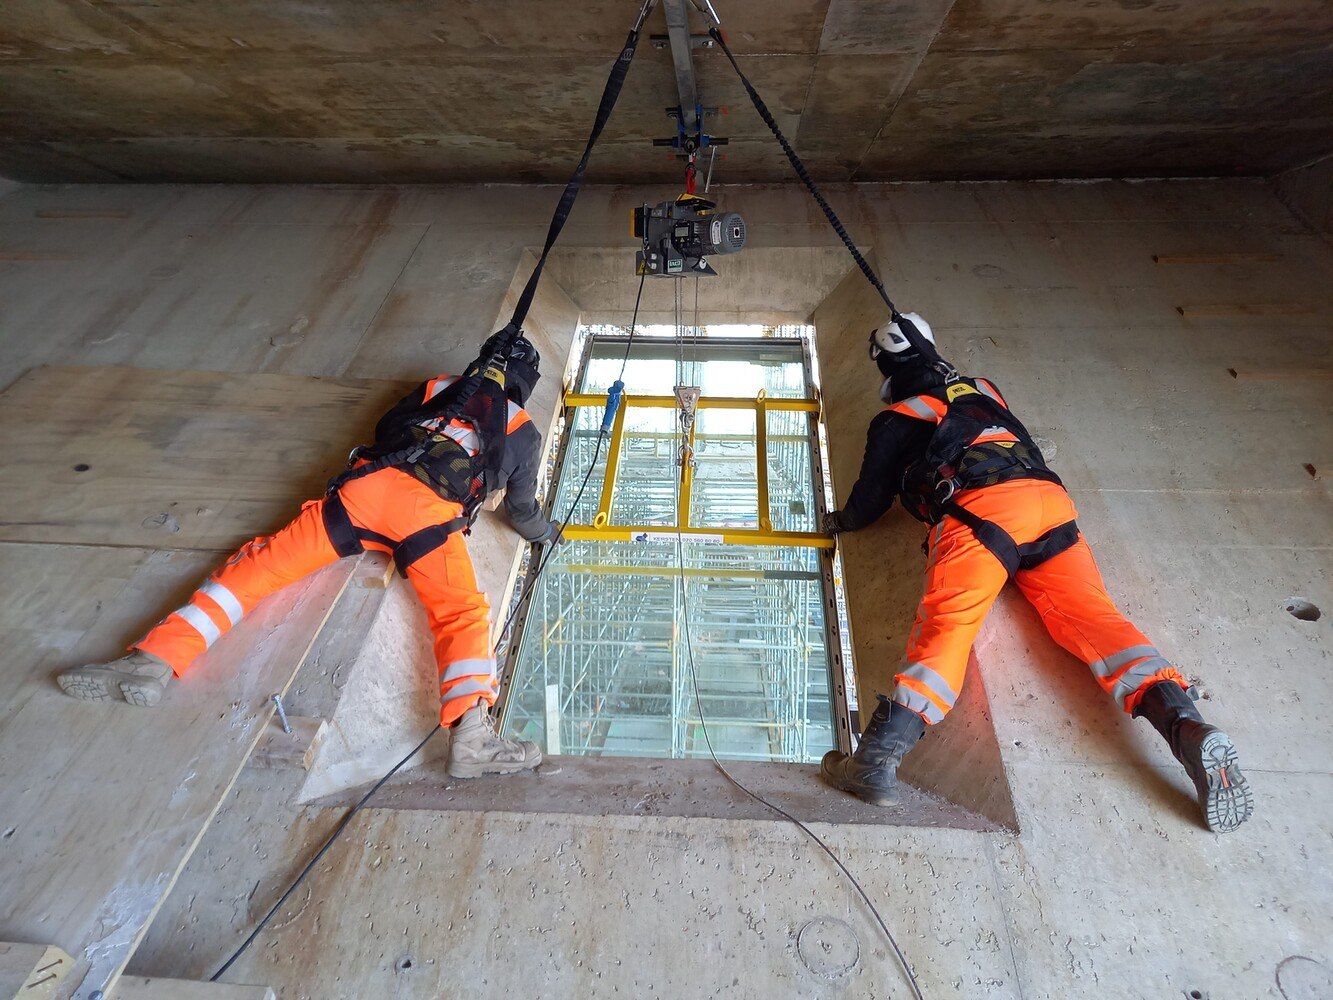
x,y
102,804
278,748
173,460
31,971
139,988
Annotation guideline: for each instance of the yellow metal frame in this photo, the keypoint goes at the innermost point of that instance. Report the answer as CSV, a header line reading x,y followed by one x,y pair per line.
x,y
603,530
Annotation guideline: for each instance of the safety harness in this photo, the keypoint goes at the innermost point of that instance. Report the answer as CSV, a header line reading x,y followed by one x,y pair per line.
x,y
424,440
977,442
453,455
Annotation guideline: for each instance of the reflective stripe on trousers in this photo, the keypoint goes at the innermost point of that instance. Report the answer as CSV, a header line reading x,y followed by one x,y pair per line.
x,y
393,504
963,580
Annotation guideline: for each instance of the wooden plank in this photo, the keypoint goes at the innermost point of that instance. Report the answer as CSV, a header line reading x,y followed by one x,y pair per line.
x,y
180,460
102,804
1211,258
295,749
31,971
1223,310
379,571
140,988
1280,374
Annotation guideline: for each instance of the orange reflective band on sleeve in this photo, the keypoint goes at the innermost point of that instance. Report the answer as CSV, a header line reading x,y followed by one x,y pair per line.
x,y
517,417
990,390
921,408
993,434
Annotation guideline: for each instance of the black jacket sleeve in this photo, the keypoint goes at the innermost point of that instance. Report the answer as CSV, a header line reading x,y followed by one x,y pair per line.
x,y
523,456
892,442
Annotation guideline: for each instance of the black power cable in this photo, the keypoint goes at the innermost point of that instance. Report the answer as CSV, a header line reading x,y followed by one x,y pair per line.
x,y
532,582
337,831
703,726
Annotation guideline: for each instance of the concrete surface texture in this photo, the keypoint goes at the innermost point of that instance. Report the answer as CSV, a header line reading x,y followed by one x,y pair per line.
x,y
1308,191
1193,484
471,90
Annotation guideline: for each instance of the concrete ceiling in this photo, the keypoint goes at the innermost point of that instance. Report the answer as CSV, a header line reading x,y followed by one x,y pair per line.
x,y
504,90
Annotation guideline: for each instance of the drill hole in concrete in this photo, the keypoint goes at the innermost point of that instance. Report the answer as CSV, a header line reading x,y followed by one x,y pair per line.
x,y
1197,995
1299,607
403,964
82,467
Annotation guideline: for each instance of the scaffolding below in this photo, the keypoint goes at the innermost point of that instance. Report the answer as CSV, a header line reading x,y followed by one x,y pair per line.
x,y
599,663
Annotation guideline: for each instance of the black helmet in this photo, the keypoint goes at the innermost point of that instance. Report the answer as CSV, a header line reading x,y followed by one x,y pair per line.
x,y
523,371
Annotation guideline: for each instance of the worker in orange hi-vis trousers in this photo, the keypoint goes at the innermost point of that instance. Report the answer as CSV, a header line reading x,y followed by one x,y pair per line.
x,y
960,460
409,511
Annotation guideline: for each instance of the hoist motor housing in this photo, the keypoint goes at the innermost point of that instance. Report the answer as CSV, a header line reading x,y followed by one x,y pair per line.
x,y
678,236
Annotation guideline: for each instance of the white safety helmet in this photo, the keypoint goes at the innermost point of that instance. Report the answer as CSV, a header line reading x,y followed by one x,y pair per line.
x,y
889,344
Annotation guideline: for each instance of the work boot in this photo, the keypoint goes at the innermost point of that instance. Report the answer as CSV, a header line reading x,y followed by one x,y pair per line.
x,y
1207,753
872,772
475,749
140,678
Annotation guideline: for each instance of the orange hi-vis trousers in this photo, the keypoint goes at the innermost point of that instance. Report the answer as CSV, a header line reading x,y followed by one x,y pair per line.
x,y
393,504
963,579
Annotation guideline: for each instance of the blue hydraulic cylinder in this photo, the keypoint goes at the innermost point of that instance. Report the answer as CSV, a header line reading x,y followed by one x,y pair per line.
x,y
612,404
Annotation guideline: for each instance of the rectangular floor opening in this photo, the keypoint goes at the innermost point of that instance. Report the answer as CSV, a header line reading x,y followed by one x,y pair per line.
x,y
599,664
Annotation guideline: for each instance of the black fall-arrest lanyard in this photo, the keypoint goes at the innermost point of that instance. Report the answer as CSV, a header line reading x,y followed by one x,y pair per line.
x,y
490,365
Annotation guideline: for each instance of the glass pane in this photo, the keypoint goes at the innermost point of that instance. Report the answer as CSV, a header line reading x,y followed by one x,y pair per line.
x,y
578,455
719,367
725,493
791,491
599,671
602,665
646,481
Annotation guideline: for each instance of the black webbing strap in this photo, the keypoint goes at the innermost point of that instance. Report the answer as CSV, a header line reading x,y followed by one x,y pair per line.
x,y
914,336
423,542
610,93
504,340
1012,556
341,530
394,458
345,537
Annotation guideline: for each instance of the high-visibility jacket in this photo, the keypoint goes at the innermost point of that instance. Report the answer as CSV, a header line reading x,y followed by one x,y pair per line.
x,y
449,463
518,470
932,447
977,442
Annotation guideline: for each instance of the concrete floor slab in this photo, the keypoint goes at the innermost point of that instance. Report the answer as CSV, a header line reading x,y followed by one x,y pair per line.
x,y
1199,514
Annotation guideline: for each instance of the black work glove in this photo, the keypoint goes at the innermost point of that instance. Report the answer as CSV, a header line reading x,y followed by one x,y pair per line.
x,y
552,535
831,523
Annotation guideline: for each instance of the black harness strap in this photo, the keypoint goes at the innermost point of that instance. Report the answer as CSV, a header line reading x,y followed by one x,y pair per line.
x,y
345,536
423,542
1012,556
347,539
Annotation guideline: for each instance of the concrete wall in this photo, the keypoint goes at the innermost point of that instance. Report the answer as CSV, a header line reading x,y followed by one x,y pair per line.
x,y
1191,484
1308,191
